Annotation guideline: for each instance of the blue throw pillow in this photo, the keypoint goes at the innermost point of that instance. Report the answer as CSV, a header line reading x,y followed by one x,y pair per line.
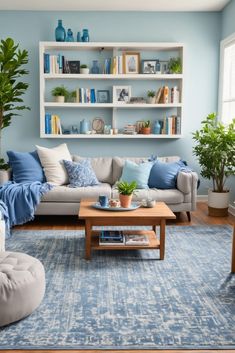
x,y
26,167
164,175
137,172
80,173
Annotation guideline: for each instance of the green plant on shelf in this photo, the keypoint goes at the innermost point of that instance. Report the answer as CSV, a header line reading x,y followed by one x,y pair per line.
x,y
175,65
151,94
83,66
125,188
147,123
60,91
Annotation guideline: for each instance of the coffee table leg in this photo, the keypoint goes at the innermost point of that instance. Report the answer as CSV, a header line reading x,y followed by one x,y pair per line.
x,y
162,238
88,240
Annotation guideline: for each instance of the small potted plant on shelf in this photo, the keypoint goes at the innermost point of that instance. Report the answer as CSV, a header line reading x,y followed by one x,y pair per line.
x,y
126,191
60,94
175,66
151,97
146,129
72,96
215,150
84,69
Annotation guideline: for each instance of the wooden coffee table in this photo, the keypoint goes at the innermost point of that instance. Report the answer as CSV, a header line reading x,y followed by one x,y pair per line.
x,y
140,217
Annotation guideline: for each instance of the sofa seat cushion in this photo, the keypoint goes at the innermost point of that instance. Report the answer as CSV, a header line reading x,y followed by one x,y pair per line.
x,y
169,196
66,194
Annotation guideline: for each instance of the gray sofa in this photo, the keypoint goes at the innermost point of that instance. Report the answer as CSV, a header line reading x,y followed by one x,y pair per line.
x,y
62,200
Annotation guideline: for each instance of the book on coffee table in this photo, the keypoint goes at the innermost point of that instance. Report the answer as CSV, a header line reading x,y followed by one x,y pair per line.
x,y
136,239
111,237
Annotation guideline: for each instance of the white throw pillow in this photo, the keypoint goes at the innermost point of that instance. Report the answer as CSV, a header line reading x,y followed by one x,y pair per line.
x,y
52,162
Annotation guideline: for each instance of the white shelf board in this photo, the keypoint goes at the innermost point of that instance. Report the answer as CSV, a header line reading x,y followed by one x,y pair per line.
x,y
118,136
114,77
110,45
111,105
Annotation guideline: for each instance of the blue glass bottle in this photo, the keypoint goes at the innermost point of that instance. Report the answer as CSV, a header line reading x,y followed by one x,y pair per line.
x,y
157,128
78,37
69,37
95,68
60,32
85,35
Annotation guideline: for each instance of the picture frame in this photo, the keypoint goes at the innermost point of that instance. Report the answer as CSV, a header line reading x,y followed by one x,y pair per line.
x,y
131,63
149,67
164,67
103,96
121,94
74,66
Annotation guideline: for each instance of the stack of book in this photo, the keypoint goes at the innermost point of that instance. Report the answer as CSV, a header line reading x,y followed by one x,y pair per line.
x,y
52,124
117,237
111,237
170,125
113,65
129,129
86,95
57,64
163,95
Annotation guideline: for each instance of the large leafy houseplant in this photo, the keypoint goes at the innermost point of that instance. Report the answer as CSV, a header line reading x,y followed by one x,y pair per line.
x,y
215,150
12,61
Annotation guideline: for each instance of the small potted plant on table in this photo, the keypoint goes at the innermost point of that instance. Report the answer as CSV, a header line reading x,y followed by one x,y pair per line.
x,y
84,69
151,97
60,94
215,150
126,190
146,129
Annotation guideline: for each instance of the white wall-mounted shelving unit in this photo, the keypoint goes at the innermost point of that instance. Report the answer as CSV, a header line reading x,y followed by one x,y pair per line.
x,y
154,48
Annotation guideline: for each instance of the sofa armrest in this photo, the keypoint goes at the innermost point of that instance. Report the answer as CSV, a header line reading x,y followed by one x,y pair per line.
x,y
5,176
187,183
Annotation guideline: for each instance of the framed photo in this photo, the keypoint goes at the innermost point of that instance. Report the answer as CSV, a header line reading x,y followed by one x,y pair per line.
x,y
164,67
74,67
149,66
103,96
121,94
131,63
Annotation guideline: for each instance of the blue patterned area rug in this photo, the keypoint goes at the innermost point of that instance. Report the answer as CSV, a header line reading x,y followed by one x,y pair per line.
x,y
130,300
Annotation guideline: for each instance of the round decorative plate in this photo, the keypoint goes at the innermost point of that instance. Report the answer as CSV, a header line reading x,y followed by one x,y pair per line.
x,y
133,207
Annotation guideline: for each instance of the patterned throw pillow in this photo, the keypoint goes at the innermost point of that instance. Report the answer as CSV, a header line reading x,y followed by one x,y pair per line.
x,y
80,174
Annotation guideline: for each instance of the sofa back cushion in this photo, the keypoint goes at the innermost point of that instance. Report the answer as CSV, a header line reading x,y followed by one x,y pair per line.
x,y
102,167
164,175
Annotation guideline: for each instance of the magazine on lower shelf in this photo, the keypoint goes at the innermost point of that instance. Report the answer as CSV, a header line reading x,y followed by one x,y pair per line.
x,y
136,239
111,237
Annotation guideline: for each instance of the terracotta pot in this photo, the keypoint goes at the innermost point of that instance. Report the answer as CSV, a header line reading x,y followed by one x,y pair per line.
x,y
218,203
146,130
125,200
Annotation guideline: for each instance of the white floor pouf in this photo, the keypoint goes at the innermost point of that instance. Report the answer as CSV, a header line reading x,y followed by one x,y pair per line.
x,y
22,286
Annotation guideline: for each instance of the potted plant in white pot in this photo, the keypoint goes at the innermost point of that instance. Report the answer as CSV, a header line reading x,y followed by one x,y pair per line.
x,y
126,190
84,69
60,94
151,97
215,150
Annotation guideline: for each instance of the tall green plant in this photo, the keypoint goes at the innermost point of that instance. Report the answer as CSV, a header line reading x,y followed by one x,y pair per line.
x,y
215,150
12,88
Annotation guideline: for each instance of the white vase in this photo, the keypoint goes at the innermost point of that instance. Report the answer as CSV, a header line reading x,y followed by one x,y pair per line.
x,y
151,100
84,71
218,203
59,99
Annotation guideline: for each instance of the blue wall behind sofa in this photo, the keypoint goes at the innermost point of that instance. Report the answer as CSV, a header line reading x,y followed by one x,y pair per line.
x,y
201,33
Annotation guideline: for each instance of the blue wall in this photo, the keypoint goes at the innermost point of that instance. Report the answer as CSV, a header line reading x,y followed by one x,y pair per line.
x,y
228,20
200,32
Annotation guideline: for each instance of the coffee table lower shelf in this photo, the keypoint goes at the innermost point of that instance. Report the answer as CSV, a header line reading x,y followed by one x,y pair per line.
x,y
154,243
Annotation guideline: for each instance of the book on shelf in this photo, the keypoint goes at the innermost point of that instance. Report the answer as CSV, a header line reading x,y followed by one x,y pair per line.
x,y
52,124
136,239
170,125
111,237
113,65
86,95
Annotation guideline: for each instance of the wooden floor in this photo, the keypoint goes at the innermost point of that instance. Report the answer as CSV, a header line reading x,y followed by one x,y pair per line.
x,y
199,217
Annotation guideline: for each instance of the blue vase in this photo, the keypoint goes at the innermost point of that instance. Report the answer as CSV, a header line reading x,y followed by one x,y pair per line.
x,y
69,37
157,128
85,35
60,32
78,37
95,68
84,126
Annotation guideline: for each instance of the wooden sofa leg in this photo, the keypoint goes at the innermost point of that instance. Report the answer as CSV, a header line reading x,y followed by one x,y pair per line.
x,y
189,216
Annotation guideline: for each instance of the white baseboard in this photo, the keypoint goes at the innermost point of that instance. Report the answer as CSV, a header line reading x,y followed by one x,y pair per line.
x,y
204,198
